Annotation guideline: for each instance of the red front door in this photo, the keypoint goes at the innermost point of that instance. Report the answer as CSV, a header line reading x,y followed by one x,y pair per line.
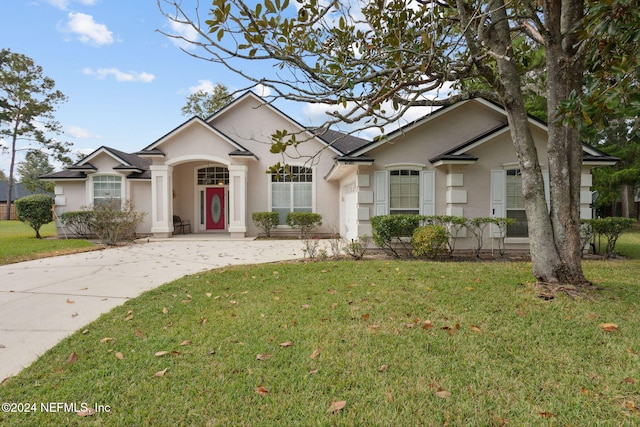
x,y
214,208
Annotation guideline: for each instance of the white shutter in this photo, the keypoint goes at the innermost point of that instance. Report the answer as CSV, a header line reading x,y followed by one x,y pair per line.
x,y
547,193
381,204
427,193
498,197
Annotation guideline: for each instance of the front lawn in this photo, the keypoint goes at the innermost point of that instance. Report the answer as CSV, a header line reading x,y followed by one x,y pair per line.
x,y
18,243
400,343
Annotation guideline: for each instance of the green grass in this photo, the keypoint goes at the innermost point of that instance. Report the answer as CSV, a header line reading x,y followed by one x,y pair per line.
x,y
504,355
18,243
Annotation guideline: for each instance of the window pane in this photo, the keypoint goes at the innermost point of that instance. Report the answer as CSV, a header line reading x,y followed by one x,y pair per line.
x,y
107,187
404,191
520,228
292,191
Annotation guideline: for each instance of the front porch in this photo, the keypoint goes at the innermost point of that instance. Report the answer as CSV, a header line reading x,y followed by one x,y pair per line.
x,y
208,193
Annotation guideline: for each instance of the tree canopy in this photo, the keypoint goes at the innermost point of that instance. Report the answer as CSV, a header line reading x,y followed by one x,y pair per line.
x,y
204,103
27,102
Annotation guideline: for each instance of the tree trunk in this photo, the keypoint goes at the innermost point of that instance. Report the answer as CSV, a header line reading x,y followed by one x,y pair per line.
x,y
624,198
548,265
563,20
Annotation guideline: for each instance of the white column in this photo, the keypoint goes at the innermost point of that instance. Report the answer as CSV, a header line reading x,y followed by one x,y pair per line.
x,y
237,200
161,200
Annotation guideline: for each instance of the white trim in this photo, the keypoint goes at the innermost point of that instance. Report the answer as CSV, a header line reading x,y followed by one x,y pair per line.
x,y
405,166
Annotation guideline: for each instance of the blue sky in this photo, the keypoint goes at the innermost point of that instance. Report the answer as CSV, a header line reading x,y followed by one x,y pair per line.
x,y
125,82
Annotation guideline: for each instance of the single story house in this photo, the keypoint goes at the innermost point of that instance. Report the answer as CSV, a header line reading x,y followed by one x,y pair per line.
x,y
457,160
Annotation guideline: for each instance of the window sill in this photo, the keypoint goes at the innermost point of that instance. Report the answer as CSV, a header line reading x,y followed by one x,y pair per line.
x,y
516,240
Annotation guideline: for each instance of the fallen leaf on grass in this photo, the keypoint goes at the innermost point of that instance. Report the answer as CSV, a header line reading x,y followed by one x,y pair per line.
x,y
161,353
161,373
286,344
315,353
165,310
390,396
129,317
474,328
546,415
72,357
337,406
365,317
383,368
608,327
262,391
185,342
208,294
86,413
106,339
139,333
427,324
305,306
119,355
629,380
85,332
262,357
443,394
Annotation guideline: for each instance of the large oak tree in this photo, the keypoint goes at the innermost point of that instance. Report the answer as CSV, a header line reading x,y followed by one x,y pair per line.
x,y
375,60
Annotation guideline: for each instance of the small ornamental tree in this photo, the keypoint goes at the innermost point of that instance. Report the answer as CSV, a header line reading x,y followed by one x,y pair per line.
x,y
35,210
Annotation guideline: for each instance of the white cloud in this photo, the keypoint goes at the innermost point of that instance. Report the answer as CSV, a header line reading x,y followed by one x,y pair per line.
x,y
262,90
120,76
204,86
77,132
87,30
187,32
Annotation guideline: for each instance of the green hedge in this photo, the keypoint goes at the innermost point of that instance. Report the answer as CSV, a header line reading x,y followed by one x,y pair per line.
x,y
265,221
304,221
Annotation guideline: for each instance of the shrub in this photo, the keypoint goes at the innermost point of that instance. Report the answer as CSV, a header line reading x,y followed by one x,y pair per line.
x,y
357,248
305,221
429,240
477,227
113,223
454,225
35,210
502,224
611,228
78,222
265,221
391,231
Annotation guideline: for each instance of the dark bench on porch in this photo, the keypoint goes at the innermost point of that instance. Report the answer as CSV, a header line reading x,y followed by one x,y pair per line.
x,y
179,225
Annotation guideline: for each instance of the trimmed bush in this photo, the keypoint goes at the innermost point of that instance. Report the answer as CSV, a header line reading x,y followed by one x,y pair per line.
x,y
611,228
36,210
393,231
429,240
78,222
304,221
477,227
265,221
113,223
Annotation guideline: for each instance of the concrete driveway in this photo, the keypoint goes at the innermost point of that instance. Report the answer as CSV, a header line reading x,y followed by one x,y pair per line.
x,y
43,301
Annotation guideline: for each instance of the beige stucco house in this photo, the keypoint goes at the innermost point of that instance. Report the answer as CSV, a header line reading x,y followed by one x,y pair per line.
x,y
456,161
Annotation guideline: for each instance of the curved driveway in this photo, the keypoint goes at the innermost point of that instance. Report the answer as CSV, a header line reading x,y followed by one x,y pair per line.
x,y
43,301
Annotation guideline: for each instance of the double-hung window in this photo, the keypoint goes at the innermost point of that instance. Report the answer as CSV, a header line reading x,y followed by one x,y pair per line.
x,y
292,191
404,191
515,205
107,189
